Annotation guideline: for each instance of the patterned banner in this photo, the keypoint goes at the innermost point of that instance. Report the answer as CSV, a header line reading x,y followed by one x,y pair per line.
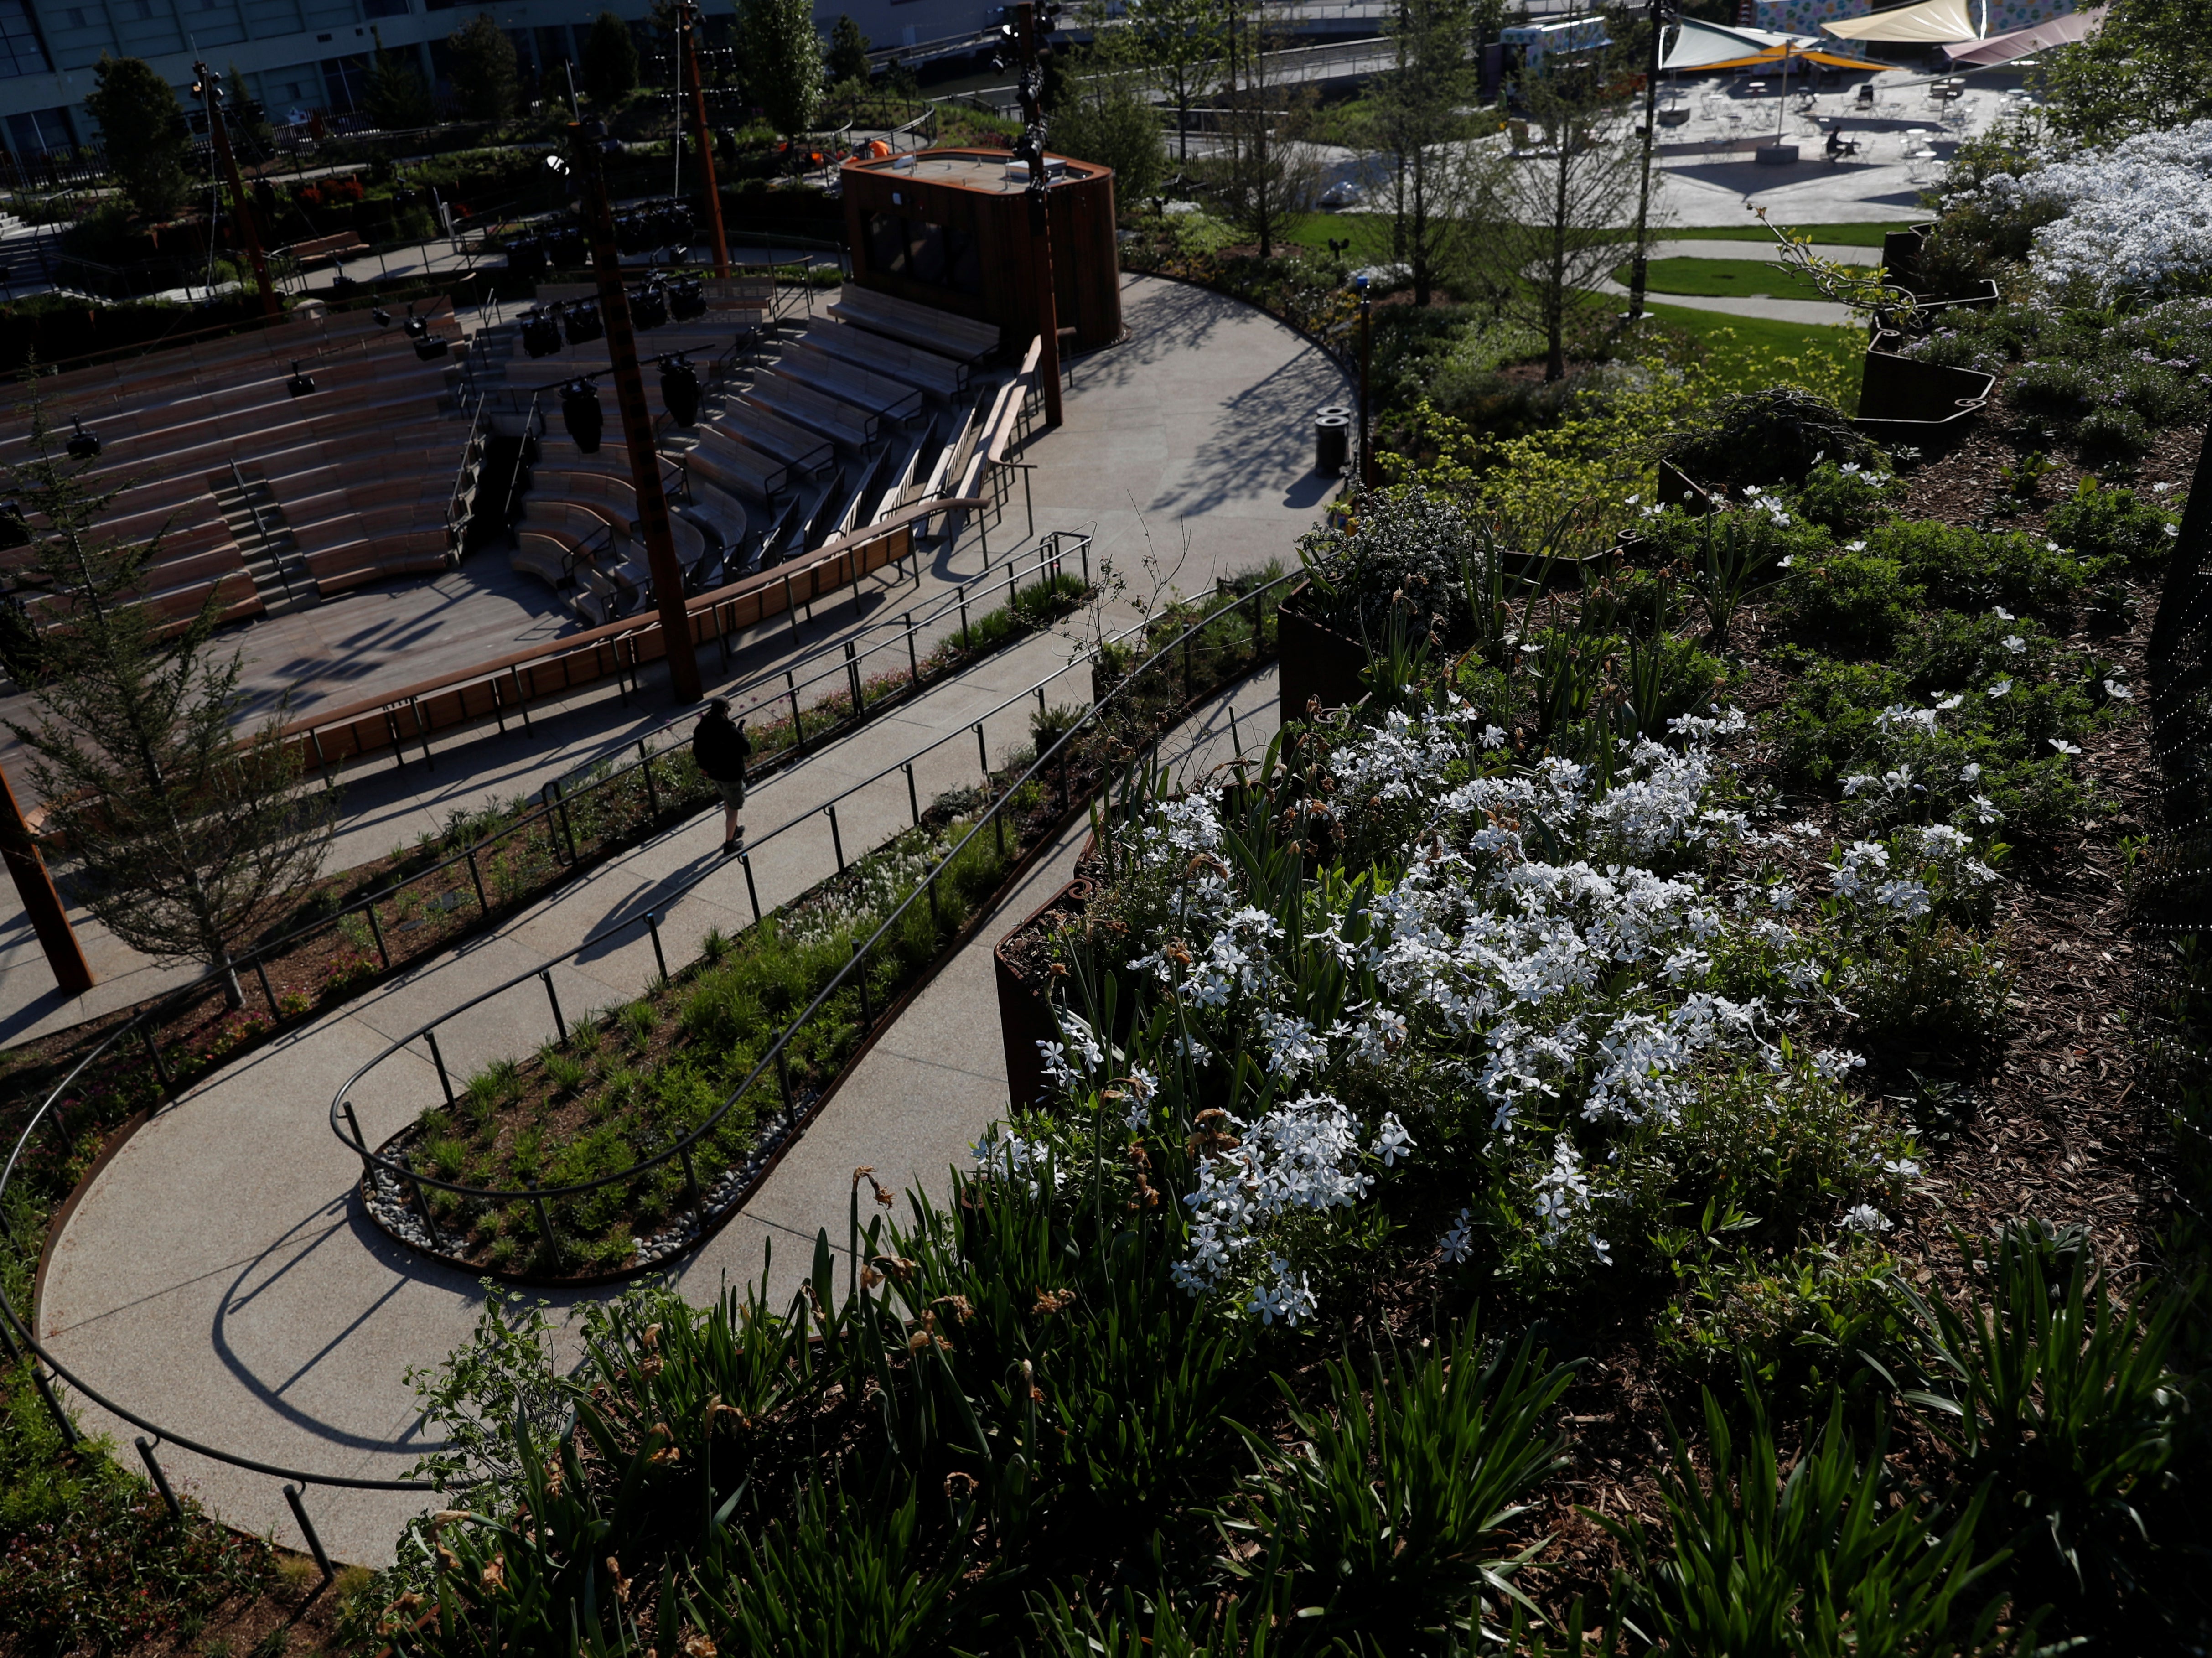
x,y
1806,16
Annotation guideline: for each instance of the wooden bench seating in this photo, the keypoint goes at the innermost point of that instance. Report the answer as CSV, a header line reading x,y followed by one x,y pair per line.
x,y
886,399
736,467
942,376
317,249
816,411
765,430
922,325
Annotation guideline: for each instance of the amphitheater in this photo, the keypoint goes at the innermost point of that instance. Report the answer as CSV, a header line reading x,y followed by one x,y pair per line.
x,y
415,550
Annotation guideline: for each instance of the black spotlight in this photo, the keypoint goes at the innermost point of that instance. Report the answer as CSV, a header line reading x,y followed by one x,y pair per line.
x,y
648,305
380,317
541,333
686,299
679,389
582,321
431,347
579,413
300,384
418,326
85,445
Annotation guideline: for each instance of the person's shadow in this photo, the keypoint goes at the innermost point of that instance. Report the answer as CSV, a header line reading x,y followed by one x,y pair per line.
x,y
624,925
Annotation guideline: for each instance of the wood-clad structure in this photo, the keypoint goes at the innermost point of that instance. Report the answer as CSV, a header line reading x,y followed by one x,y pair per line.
x,y
950,228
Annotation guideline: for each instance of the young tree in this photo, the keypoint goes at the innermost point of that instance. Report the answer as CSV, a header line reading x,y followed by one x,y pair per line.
x,y
143,127
2149,67
1178,40
1266,173
1104,118
1417,122
610,65
484,68
848,51
397,98
783,61
188,840
1551,233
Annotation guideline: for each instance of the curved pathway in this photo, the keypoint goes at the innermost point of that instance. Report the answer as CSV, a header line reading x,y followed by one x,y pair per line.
x,y
1817,313
219,1276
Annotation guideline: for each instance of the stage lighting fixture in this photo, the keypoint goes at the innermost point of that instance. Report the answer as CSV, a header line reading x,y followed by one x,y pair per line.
x,y
300,384
633,232
417,326
431,347
85,445
686,299
541,333
380,317
679,389
648,305
582,322
579,413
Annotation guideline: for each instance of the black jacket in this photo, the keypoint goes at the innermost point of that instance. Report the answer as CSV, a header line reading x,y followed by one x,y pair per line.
x,y
720,748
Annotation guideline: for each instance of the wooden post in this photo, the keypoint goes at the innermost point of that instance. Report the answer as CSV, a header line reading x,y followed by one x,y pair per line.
x,y
41,901
249,243
1032,87
688,35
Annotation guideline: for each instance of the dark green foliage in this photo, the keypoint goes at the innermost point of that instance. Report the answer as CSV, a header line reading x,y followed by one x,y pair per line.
x,y
2145,70
610,61
1105,118
484,68
1774,436
1847,500
782,57
397,97
2057,1399
142,127
1978,569
2099,522
1388,1517
847,58
1758,1565
1855,603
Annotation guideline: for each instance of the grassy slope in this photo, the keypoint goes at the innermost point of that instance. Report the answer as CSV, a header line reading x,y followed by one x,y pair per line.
x,y
1370,232
1737,347
1724,278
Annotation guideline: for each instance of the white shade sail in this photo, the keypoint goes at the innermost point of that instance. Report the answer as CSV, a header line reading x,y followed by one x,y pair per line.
x,y
1930,24
2040,37
1698,43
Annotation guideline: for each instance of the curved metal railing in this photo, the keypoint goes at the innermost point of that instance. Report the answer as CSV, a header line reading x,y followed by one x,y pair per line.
x,y
345,1126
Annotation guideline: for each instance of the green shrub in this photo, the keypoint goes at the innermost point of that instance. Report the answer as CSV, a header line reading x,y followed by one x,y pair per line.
x,y
1773,436
2099,523
1935,991
1847,499
1976,569
1849,601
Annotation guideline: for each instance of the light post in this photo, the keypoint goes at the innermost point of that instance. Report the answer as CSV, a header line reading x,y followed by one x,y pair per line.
x,y
1032,151
687,31
208,85
1636,279
636,418
1366,344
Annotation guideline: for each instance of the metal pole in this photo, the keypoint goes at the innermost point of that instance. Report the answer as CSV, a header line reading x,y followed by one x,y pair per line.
x,y
653,925
836,839
961,593
1367,352
54,1406
360,1139
1635,277
160,1066
867,1005
913,667
161,1479
477,876
645,765
982,754
912,800
307,1531
376,932
852,677
798,730
687,34
752,892
560,1025
1032,85
636,419
49,918
249,243
438,1059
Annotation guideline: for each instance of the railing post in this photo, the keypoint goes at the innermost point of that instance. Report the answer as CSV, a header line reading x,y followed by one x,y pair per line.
x,y
545,1228
860,972
521,701
421,729
797,729
836,839
746,859
392,730
982,754
560,1025
561,813
438,1059
160,1066
913,666
645,764
498,711
961,593
307,1531
852,677
261,972
691,1175
54,1406
652,927
161,1479
783,1076
790,604
477,877
912,800
376,932
359,1142
430,1221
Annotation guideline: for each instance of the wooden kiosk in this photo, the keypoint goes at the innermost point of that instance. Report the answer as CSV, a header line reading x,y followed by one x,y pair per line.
x,y
950,228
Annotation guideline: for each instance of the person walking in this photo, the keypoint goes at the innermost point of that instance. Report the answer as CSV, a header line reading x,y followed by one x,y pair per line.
x,y
721,748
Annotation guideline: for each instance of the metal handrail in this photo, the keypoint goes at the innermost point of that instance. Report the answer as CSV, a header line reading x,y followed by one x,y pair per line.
x,y
374,1161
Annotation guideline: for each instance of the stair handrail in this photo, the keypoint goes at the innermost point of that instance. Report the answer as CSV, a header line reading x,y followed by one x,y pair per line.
x,y
261,530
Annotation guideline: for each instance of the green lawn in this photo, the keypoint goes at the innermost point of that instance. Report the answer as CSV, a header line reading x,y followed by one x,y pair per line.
x,y
1371,236
1834,235
1740,349
1723,278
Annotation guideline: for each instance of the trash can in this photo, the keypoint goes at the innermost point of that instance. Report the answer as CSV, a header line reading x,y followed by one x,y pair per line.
x,y
1332,442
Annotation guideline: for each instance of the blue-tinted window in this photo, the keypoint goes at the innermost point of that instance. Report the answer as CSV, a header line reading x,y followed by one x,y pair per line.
x,y
21,52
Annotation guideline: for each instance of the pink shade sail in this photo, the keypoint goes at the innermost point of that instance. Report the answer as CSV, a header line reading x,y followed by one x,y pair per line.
x,y
2040,37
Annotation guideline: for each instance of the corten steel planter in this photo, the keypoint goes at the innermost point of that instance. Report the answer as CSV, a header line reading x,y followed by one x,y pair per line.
x,y
1026,1014
1315,661
1904,400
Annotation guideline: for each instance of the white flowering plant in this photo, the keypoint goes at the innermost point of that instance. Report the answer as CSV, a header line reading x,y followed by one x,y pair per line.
x,y
1521,1011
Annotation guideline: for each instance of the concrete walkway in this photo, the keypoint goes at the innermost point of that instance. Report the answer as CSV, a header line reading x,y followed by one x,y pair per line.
x,y
219,1277
1811,312
1199,422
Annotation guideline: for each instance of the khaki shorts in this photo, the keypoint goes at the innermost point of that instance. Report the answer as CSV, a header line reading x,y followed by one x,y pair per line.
x,y
733,791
